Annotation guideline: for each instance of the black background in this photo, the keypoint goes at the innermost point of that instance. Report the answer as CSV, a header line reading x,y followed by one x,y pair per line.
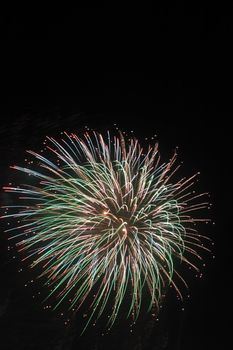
x,y
167,74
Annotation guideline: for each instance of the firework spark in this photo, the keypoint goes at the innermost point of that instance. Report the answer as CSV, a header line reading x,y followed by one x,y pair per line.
x,y
107,213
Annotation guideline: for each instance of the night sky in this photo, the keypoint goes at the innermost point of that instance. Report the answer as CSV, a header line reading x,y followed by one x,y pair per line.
x,y
171,77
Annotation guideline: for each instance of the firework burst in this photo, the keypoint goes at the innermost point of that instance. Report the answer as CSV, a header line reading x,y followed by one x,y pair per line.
x,y
107,213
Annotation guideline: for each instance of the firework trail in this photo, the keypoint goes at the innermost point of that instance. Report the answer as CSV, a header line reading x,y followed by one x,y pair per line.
x,y
105,212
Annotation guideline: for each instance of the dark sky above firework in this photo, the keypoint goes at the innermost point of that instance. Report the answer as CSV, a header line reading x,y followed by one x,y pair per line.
x,y
185,100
